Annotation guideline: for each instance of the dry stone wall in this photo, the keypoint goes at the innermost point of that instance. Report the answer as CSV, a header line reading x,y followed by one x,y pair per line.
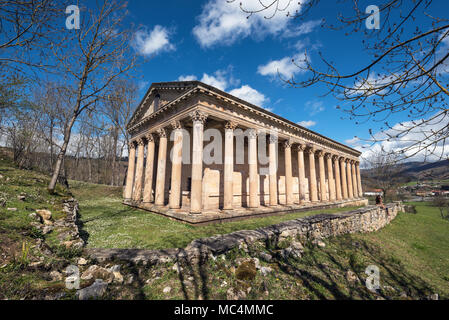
x,y
367,219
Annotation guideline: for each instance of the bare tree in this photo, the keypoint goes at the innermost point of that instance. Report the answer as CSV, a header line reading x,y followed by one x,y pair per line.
x,y
406,73
383,168
93,57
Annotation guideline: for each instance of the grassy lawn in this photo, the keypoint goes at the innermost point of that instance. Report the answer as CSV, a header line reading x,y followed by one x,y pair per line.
x,y
108,223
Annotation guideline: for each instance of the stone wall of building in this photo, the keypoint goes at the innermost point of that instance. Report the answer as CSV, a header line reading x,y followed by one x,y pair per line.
x,y
367,219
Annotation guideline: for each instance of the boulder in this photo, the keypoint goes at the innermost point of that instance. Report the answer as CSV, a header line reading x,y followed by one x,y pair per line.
x,y
56,276
265,270
97,272
95,291
44,213
266,256
82,261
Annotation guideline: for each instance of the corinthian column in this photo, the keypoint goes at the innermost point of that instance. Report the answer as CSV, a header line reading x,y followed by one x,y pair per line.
x,y
322,176
337,178
138,181
229,165
272,146
359,179
288,173
344,184
161,165
176,169
301,173
148,185
349,179
354,180
254,201
312,176
196,193
330,177
130,174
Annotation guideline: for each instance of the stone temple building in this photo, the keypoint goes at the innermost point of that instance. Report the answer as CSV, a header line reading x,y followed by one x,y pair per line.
x,y
200,155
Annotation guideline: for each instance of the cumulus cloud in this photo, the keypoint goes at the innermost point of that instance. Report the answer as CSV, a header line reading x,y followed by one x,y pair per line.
x,y
304,28
217,80
284,67
152,42
249,94
223,22
389,142
307,124
189,77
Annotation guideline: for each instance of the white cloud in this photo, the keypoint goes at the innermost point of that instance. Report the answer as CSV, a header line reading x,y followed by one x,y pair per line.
x,y
304,28
249,94
217,80
307,124
352,141
314,107
284,67
152,42
189,77
223,22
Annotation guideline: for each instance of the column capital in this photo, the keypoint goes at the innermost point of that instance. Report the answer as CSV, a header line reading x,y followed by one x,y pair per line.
x,y
132,144
149,137
320,153
328,155
176,124
230,125
347,160
162,133
301,147
287,144
198,116
310,150
272,138
140,141
252,133
335,157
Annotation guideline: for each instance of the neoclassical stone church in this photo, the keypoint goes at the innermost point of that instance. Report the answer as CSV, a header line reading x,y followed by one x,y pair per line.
x,y
260,163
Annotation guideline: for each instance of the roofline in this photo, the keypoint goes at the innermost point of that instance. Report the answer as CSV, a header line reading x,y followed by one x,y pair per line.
x,y
195,83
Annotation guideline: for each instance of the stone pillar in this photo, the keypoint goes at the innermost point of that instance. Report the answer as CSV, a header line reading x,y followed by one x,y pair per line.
x,y
288,173
176,169
337,178
354,180
138,181
229,166
312,176
344,184
161,165
322,176
272,148
301,173
196,193
359,180
149,167
349,179
130,174
330,177
254,201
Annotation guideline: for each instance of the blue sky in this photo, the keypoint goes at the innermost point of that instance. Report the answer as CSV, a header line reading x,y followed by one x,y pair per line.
x,y
214,42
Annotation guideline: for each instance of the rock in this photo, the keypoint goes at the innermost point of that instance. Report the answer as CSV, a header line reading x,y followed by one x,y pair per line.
x,y
166,290
34,216
115,268
56,276
246,270
297,246
176,267
351,276
21,198
265,270
403,295
266,256
47,229
433,296
36,264
82,261
118,278
11,209
95,291
130,279
2,202
319,243
44,213
235,294
290,253
223,284
97,272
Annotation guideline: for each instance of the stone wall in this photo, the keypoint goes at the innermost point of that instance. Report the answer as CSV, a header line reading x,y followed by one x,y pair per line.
x,y
367,219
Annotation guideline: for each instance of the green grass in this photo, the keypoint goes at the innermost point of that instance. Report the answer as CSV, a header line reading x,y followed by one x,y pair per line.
x,y
108,223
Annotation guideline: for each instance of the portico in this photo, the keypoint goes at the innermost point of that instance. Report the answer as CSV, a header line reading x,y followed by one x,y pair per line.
x,y
200,155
